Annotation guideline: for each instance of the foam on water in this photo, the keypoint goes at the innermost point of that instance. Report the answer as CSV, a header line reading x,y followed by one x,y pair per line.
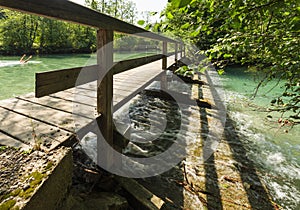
x,y
15,63
273,155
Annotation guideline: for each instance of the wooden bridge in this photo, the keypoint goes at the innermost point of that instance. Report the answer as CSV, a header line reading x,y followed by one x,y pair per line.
x,y
46,118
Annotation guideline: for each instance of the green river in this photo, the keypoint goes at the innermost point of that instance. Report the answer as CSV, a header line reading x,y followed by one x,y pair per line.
x,y
274,150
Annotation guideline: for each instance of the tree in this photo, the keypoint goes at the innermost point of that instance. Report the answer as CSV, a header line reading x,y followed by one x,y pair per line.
x,y
18,31
262,34
122,9
21,33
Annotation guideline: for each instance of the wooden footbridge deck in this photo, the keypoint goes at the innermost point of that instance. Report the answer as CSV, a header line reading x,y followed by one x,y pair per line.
x,y
53,120
49,117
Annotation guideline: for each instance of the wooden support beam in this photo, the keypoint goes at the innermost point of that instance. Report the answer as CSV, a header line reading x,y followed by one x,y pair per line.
x,y
165,51
105,95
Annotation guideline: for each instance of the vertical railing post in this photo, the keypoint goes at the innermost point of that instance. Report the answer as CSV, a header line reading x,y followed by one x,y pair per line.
x,y
165,52
180,50
105,95
163,83
176,53
184,50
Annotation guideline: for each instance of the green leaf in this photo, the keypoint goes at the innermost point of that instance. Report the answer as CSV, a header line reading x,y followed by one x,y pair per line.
x,y
185,26
180,3
148,26
170,16
221,71
227,55
141,22
195,33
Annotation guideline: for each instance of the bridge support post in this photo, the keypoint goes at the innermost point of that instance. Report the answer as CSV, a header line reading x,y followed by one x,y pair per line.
x,y
176,53
105,96
181,50
163,82
165,52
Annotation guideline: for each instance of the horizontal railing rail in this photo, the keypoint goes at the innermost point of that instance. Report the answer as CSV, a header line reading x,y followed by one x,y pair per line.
x,y
59,80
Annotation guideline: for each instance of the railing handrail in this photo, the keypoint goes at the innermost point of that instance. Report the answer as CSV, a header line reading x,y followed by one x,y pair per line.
x,y
72,12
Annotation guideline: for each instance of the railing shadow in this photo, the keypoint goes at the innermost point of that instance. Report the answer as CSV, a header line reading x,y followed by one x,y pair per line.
x,y
211,178
257,195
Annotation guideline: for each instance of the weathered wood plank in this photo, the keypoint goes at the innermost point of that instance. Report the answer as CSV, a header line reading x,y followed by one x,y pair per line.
x,y
30,131
6,140
69,121
54,81
63,120
57,104
69,11
133,63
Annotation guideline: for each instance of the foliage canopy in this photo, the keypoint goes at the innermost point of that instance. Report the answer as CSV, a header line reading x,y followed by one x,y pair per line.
x,y
262,34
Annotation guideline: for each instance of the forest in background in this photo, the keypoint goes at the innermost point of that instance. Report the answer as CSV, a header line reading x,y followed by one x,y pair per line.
x,y
22,33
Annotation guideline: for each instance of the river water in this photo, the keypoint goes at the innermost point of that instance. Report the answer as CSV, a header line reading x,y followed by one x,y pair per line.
x,y
19,79
274,149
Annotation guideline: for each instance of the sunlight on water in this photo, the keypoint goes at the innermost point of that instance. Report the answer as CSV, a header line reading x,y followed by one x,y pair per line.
x,y
275,152
18,79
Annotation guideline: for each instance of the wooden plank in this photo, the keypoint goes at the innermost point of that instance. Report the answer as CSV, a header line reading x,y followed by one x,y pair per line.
x,y
105,95
121,99
6,140
69,11
69,121
30,131
58,104
54,81
63,120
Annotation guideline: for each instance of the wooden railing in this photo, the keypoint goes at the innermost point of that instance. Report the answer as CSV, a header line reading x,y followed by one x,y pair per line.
x,y
54,81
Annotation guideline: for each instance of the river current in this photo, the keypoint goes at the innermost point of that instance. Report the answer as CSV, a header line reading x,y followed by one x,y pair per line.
x,y
275,149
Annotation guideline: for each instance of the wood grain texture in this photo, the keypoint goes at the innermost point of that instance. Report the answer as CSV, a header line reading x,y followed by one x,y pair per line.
x,y
105,96
54,81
